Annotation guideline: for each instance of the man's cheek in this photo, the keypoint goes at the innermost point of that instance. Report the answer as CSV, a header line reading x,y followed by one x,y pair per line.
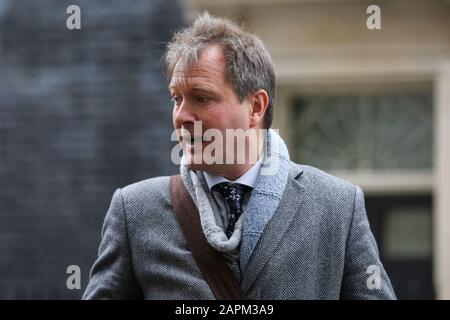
x,y
218,115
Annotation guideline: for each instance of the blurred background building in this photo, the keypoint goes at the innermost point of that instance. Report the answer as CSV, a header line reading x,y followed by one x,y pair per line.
x,y
84,112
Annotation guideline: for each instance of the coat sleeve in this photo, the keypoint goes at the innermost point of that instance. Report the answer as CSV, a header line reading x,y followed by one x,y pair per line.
x,y
112,275
364,275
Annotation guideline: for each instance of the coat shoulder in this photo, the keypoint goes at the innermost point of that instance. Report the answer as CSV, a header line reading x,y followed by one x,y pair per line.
x,y
146,194
319,176
325,185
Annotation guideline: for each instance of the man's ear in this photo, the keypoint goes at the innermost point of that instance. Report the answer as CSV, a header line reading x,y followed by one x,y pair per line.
x,y
259,103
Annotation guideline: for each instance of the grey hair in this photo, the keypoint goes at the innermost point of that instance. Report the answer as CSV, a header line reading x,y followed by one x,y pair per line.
x,y
249,66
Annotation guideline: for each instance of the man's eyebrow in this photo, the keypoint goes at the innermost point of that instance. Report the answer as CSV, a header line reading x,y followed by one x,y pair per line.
x,y
194,88
203,88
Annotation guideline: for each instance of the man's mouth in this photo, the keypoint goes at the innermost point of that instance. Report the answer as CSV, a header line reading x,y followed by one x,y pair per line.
x,y
193,140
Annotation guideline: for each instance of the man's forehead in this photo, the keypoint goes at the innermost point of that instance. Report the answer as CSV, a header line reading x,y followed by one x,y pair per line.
x,y
191,84
192,78
209,67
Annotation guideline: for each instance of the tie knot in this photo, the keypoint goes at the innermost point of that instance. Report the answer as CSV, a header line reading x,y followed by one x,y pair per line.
x,y
232,193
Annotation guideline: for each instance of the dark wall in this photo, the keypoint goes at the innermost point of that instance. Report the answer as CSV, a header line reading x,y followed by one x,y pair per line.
x,y
81,113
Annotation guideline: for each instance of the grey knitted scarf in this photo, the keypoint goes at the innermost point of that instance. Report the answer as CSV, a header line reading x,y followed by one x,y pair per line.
x,y
264,201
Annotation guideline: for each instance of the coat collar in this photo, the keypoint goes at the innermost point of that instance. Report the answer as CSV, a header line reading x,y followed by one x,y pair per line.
x,y
276,227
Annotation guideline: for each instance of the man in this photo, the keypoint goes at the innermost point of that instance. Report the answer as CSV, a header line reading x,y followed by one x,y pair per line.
x,y
286,231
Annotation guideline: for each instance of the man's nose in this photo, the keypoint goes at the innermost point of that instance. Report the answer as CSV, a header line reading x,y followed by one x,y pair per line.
x,y
184,115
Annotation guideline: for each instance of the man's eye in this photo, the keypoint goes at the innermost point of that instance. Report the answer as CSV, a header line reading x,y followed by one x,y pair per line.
x,y
176,100
203,99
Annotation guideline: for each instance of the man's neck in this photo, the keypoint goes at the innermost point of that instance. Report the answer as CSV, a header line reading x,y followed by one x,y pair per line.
x,y
234,172
248,178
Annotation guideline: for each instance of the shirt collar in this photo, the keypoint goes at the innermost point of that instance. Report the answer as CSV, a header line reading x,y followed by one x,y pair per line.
x,y
248,178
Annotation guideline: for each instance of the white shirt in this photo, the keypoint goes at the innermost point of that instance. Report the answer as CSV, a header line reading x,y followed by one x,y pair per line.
x,y
248,179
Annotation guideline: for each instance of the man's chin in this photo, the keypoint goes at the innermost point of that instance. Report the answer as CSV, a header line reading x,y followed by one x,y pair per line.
x,y
199,167
196,162
210,168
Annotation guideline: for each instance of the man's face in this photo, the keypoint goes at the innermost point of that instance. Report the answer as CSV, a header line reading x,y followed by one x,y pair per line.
x,y
202,93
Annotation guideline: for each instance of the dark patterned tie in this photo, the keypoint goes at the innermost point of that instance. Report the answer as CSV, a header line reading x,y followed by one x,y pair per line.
x,y
233,195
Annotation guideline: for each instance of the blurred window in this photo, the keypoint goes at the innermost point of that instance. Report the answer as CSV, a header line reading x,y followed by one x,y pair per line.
x,y
364,132
407,233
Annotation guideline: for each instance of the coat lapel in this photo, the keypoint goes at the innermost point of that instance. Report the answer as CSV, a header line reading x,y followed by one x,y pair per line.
x,y
275,228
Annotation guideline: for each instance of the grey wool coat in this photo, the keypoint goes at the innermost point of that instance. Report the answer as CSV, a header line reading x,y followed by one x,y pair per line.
x,y
318,245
